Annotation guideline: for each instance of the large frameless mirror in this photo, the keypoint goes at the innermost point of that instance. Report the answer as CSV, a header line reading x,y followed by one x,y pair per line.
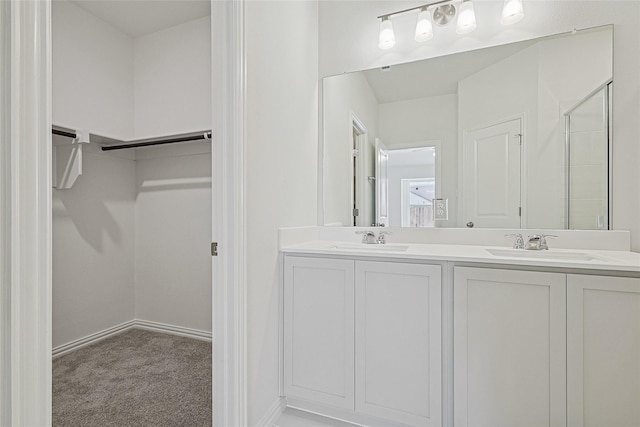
x,y
512,136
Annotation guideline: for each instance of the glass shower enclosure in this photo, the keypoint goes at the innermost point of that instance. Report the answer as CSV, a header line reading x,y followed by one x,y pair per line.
x,y
588,153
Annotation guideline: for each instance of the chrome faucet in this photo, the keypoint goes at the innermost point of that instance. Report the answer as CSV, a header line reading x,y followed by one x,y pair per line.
x,y
381,239
519,242
538,242
368,237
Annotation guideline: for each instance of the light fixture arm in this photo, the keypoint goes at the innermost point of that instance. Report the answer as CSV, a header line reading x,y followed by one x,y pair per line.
x,y
434,3
444,12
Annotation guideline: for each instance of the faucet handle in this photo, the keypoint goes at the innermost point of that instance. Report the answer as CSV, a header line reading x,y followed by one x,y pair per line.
x,y
539,241
367,235
543,240
381,235
519,242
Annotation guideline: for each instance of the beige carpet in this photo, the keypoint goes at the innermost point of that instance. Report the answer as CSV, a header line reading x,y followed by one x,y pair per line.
x,y
136,378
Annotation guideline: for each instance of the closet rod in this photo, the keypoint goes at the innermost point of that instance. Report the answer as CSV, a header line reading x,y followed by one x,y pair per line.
x,y
195,137
63,133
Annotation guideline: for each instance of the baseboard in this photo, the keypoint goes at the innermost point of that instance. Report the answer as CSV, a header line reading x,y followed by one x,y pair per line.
x,y
135,323
92,338
172,329
271,416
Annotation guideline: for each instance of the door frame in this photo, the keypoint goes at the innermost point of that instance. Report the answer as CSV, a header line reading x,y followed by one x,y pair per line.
x,y
229,213
26,223
25,217
523,164
358,179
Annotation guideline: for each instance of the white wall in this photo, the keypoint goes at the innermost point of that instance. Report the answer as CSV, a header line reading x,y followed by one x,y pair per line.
x,y
427,119
357,24
93,248
344,95
172,76
93,223
281,172
173,234
92,66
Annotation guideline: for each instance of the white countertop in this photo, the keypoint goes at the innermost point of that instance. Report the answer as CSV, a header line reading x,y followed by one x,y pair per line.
x,y
623,261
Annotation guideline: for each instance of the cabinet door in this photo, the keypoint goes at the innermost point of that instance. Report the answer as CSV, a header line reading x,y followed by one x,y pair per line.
x,y
398,345
318,330
509,348
603,350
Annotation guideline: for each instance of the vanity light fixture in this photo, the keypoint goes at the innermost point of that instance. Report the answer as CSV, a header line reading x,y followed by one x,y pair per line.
x,y
424,26
466,18
442,12
512,12
387,39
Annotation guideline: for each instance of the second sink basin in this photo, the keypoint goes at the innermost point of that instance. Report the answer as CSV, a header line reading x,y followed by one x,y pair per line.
x,y
547,255
389,247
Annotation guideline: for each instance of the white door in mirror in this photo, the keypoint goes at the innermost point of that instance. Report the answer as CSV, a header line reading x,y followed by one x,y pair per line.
x,y
492,176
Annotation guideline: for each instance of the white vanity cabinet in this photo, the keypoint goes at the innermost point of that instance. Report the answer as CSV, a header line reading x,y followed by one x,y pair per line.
x,y
319,330
603,351
509,347
364,337
375,339
398,342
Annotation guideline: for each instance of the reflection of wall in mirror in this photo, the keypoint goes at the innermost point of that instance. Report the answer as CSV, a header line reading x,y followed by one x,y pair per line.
x,y
541,82
345,95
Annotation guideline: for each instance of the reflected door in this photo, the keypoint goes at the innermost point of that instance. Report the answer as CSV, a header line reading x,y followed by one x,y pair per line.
x,y
492,176
382,184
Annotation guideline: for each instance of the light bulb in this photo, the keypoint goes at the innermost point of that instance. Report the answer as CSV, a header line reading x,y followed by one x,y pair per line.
x,y
424,27
512,12
466,18
387,39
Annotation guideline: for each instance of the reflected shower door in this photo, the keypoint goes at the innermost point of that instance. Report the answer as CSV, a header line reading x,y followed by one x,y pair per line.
x,y
587,137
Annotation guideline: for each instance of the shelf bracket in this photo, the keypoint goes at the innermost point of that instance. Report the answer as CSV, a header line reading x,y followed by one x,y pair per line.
x,y
67,160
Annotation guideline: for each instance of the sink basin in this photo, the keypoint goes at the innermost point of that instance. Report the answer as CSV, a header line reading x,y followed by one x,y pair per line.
x,y
387,247
547,255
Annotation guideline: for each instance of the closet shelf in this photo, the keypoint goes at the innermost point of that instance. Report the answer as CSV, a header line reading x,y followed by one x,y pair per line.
x,y
67,158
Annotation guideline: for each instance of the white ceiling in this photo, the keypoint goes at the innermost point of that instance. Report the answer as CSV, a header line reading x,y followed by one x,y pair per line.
x,y
140,17
436,76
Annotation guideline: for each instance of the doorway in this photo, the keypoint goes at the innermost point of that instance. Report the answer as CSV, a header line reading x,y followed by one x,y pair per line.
x,y
131,236
25,344
361,185
408,179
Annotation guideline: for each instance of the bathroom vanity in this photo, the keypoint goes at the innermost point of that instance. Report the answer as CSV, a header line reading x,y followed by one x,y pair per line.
x,y
461,334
